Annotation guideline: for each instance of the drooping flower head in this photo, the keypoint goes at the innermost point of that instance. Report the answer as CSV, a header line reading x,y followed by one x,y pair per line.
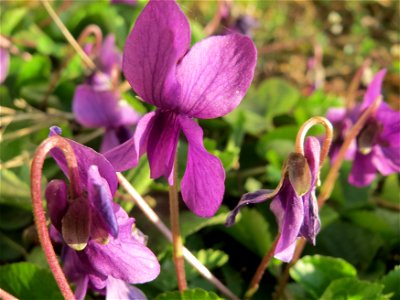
x,y
99,247
293,201
377,146
207,81
98,103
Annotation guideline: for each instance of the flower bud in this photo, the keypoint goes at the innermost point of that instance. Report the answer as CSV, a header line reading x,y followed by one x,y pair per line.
x,y
299,173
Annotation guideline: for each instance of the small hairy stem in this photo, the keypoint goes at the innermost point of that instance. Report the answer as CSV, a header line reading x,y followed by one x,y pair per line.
x,y
329,184
85,58
6,296
38,210
155,219
301,135
255,281
176,236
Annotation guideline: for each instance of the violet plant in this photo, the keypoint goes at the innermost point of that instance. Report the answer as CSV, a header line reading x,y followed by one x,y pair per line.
x,y
97,103
99,248
377,146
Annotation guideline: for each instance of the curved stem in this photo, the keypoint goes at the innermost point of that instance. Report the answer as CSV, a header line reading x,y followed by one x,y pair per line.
x,y
329,183
255,281
38,210
92,30
301,135
86,59
176,236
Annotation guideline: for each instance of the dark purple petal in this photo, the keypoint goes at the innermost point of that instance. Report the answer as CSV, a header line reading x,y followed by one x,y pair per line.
x,y
118,289
86,157
162,144
203,182
215,75
114,137
100,197
81,288
159,39
109,55
127,155
4,63
289,212
390,122
101,108
374,89
312,152
57,201
249,198
363,171
386,160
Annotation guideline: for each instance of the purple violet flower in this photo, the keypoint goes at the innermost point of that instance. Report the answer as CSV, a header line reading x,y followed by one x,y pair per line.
x,y
99,248
293,202
207,81
97,104
377,147
4,63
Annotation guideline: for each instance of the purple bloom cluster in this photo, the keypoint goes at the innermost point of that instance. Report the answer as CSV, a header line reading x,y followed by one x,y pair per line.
x,y
98,104
377,147
100,249
207,81
296,211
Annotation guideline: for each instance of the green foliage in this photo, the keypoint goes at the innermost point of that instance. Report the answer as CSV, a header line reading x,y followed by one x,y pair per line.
x,y
315,273
352,288
14,191
27,281
191,294
391,282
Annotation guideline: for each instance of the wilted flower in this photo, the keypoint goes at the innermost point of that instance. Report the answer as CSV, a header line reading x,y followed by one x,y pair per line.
x,y
293,201
377,147
97,103
100,249
207,81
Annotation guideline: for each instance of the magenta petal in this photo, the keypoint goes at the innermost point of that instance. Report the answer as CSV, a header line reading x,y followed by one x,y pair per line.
x,y
109,55
101,108
57,201
86,157
215,75
159,39
162,143
118,289
374,89
289,212
4,63
99,195
114,137
203,182
363,171
127,155
386,160
81,288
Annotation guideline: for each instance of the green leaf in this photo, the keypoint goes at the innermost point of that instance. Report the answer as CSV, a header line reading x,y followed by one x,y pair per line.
x,y
371,221
191,223
315,273
193,294
13,191
14,217
38,67
11,18
252,231
27,281
210,258
352,288
391,281
391,189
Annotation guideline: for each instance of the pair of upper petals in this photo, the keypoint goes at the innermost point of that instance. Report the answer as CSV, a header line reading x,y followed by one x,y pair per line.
x,y
208,81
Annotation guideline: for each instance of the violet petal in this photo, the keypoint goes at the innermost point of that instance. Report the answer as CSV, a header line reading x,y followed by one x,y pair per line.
x,y
118,289
4,64
289,212
374,89
57,201
215,75
159,39
100,197
363,171
203,182
162,144
249,198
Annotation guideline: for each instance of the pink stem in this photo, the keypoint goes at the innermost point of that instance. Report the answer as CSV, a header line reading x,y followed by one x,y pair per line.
x,y
38,210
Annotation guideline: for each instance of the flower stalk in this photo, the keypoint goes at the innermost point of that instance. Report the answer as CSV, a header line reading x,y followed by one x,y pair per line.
x,y
328,185
38,211
176,236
